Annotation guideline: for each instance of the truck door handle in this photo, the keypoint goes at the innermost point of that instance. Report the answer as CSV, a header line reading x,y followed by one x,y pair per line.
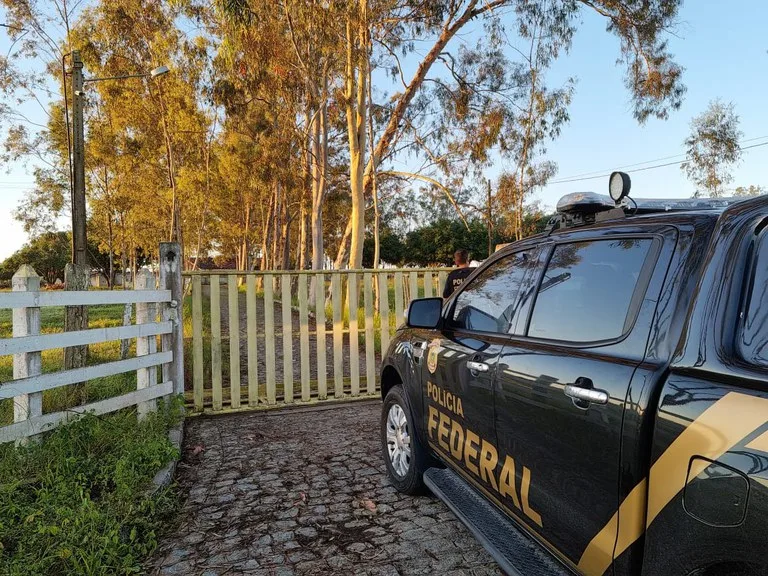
x,y
583,393
477,367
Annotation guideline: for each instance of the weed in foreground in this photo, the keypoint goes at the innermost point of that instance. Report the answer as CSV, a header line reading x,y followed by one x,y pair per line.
x,y
78,502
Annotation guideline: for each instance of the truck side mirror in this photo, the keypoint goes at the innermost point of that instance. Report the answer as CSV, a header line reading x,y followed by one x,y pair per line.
x,y
425,313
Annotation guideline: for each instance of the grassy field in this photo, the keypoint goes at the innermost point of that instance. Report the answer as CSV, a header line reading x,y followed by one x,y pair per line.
x,y
52,321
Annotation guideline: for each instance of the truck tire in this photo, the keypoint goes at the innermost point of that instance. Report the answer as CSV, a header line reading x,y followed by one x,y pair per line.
x,y
405,457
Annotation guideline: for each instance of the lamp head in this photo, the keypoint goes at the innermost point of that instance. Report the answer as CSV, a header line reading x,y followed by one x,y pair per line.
x,y
159,71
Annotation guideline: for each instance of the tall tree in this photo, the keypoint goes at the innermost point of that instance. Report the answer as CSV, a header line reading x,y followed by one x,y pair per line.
x,y
712,148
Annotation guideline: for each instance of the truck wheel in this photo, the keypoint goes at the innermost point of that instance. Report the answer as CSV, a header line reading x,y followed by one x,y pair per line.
x,y
404,456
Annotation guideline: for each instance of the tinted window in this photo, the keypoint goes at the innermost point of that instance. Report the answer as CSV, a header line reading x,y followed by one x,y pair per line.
x,y
754,335
488,303
587,290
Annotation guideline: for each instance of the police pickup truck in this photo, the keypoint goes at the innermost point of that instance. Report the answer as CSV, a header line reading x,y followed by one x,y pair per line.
x,y
594,400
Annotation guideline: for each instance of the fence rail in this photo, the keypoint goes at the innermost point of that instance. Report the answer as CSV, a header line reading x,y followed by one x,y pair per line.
x,y
156,316
268,337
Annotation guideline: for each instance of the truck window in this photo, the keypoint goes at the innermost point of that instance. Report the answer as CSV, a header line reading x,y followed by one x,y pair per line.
x,y
754,333
588,290
487,304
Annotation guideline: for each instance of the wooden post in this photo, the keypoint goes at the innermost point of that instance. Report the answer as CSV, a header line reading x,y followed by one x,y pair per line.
x,y
442,276
428,284
304,337
269,337
253,346
384,314
234,341
170,279
145,313
413,285
76,317
354,341
26,322
338,337
322,383
370,344
287,317
216,342
197,343
399,308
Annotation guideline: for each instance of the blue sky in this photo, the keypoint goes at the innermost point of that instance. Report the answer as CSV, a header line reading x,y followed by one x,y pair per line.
x,y
723,48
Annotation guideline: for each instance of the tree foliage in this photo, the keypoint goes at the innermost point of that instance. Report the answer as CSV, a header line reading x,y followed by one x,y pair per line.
x,y
713,148
279,137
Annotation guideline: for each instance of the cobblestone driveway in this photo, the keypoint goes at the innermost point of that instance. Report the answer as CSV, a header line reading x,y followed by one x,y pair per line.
x,y
303,491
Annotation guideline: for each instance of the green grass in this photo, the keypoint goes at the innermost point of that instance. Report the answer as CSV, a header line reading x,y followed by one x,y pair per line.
x,y
52,319
78,502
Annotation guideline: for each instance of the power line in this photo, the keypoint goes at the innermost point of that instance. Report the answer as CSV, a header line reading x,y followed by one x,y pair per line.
x,y
677,162
593,172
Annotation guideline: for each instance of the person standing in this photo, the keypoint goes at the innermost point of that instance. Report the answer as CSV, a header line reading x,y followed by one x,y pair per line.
x,y
456,277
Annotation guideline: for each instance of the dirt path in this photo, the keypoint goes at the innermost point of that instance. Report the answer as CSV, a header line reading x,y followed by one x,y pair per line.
x,y
295,342
303,491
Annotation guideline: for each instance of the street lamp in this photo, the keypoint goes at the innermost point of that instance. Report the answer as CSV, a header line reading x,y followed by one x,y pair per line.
x,y
79,237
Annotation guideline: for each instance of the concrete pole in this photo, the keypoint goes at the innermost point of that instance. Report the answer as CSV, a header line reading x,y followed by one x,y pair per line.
x,y
76,275
79,238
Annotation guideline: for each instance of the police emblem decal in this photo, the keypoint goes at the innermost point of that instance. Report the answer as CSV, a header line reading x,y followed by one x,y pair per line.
x,y
434,351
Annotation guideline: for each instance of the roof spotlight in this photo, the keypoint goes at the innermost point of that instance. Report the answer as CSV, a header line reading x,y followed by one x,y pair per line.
x,y
618,186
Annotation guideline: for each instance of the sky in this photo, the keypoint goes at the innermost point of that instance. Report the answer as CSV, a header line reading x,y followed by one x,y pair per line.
x,y
724,51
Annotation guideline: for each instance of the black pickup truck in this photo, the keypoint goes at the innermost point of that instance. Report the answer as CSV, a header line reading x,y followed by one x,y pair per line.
x,y
594,399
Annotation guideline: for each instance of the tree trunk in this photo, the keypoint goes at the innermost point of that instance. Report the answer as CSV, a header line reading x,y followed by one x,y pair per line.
x,y
111,281
319,172
357,109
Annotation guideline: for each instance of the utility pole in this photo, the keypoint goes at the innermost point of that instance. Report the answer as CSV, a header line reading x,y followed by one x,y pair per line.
x,y
79,237
76,274
489,217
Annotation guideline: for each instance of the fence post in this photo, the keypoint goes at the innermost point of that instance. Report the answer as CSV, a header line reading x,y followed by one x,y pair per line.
x,y
145,313
26,322
170,279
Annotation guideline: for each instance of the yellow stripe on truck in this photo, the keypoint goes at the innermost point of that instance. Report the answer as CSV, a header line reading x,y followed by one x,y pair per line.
x,y
718,429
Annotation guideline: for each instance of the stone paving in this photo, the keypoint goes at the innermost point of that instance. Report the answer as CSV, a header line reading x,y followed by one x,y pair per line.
x,y
303,491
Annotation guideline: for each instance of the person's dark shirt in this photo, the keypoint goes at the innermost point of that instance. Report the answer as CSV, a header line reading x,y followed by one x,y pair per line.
x,y
455,279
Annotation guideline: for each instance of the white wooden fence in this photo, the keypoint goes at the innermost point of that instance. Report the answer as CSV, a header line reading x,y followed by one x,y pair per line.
x,y
157,314
295,336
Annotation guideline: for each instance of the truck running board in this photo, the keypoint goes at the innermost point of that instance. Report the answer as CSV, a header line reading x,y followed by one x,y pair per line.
x,y
515,553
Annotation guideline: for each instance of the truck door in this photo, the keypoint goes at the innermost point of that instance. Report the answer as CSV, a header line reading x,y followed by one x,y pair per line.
x,y
460,363
561,384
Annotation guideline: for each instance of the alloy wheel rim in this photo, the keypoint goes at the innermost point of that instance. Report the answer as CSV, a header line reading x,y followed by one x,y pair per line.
x,y
398,440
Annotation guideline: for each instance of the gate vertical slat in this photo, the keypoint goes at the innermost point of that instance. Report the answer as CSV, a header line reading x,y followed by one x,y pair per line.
x,y
253,340
269,337
338,337
370,344
216,342
399,298
354,342
304,336
322,382
197,343
234,342
428,285
441,278
287,316
413,282
384,312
